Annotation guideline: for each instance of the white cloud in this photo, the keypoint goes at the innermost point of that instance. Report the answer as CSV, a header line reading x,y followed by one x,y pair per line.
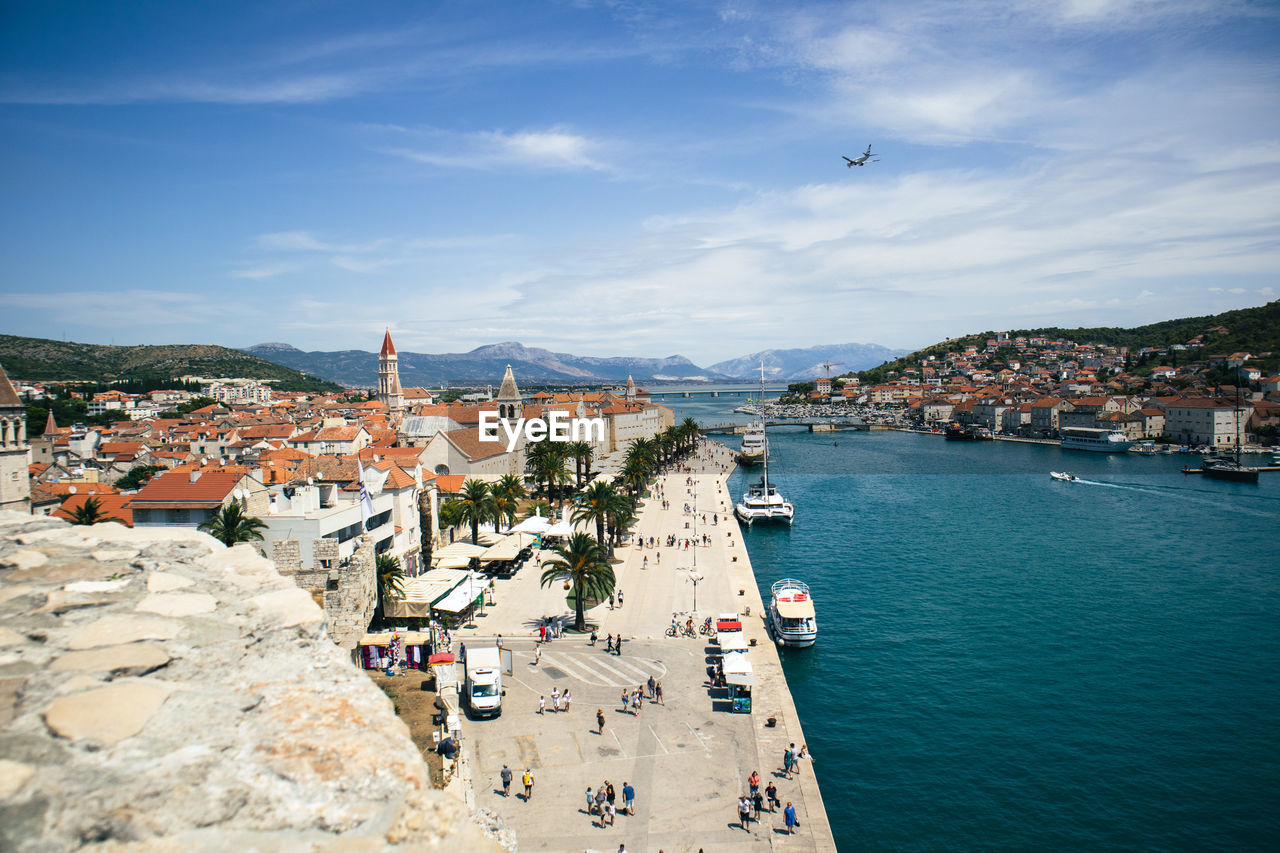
x,y
556,148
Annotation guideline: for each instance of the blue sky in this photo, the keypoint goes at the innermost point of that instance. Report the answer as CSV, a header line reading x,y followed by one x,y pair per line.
x,y
618,178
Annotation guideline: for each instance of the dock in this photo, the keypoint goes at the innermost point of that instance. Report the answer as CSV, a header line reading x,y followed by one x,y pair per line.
x,y
688,759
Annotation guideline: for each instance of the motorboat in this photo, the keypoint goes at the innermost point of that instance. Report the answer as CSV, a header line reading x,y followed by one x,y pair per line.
x,y
1063,475
762,501
791,614
754,444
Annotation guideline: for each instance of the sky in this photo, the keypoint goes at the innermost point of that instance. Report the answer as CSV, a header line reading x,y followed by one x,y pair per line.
x,y
632,178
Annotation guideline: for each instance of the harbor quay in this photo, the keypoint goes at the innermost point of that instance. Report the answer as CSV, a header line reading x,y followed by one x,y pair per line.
x,y
688,758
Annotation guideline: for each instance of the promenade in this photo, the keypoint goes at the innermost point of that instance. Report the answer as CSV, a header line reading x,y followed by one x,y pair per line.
x,y
687,759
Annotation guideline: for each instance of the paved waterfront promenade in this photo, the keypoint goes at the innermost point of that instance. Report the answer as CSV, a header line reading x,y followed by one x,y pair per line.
x,y
689,759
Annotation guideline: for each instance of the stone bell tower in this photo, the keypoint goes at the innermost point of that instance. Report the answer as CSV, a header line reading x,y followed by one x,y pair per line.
x,y
15,483
509,403
390,394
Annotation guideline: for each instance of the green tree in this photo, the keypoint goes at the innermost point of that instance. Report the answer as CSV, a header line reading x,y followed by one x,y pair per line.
x,y
580,452
584,565
138,476
449,516
594,505
390,579
230,525
507,493
475,505
90,512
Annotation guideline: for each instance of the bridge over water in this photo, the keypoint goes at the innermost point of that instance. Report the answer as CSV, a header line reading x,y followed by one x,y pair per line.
x,y
813,425
738,391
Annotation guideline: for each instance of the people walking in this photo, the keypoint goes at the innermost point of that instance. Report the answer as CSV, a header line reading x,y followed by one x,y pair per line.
x,y
542,704
789,815
788,759
611,812
744,812
567,697
505,775
591,801
651,684
657,692
600,721
757,804
555,699
629,798
772,793
609,793
753,782
626,700
593,637
528,784
537,655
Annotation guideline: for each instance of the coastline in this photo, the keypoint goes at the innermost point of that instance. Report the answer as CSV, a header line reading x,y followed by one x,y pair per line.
x,y
687,759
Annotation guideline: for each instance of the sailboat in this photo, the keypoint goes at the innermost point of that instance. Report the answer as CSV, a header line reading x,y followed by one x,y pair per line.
x,y
762,501
1225,468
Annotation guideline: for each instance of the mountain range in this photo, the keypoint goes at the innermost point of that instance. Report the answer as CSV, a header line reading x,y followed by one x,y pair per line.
x,y
533,365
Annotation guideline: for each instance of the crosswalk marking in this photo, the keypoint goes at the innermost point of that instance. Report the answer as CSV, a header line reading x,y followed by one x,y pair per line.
x,y
592,669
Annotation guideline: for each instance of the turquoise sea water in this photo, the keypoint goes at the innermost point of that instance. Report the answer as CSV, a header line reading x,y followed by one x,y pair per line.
x,y
1007,662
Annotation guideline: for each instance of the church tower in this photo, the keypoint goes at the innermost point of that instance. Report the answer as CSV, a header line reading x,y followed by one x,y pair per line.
x,y
509,403
390,394
15,482
631,389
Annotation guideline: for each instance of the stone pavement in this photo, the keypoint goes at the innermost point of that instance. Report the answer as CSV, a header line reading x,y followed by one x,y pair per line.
x,y
688,759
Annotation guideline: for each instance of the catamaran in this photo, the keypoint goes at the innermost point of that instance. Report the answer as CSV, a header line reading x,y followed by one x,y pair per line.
x,y
762,501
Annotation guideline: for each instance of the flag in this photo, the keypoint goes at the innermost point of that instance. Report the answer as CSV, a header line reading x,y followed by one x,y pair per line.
x,y
366,502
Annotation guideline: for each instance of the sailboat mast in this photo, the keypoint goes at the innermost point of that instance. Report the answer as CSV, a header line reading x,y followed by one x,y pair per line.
x,y
764,432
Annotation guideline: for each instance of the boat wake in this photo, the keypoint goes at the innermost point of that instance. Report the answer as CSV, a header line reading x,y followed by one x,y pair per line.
x,y
1206,496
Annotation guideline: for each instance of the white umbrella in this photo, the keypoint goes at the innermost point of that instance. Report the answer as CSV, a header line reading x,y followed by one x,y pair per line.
x,y
532,524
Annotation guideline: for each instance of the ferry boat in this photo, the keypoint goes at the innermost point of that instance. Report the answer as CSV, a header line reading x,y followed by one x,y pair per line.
x,y
754,444
957,432
1097,440
791,614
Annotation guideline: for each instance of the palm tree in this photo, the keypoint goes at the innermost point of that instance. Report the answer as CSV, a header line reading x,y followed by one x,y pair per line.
x,y
390,579
691,431
507,493
635,473
642,450
475,505
89,512
230,525
583,565
580,451
449,516
594,504
541,508
620,515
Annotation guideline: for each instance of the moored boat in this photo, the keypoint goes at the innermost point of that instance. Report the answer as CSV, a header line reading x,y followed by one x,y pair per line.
x,y
791,614
1097,440
754,444
762,501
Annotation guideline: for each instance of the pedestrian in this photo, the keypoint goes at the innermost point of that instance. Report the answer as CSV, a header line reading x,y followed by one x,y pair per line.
x,y
617,647
629,798
612,812
599,721
591,802
626,700
744,812
787,758
506,780
528,784
657,691
542,633
555,699
757,804
537,655
462,653
542,704
593,637
645,564
499,641
789,815
619,599
772,793
608,643
567,697
600,802
753,781
610,795
658,558
651,684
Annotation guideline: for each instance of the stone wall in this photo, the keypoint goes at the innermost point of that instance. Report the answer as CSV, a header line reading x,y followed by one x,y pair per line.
x,y
159,691
349,607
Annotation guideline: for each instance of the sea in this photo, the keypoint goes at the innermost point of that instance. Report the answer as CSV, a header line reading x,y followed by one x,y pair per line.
x,y
1010,662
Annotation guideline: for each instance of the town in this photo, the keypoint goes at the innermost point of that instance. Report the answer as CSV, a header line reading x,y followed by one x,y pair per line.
x,y
1036,387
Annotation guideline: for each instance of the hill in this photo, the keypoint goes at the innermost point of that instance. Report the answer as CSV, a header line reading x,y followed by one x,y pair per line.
x,y
807,363
485,365
1252,330
43,360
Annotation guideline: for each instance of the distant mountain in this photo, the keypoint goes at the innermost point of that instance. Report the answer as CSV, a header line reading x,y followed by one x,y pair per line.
x,y
43,360
789,365
484,365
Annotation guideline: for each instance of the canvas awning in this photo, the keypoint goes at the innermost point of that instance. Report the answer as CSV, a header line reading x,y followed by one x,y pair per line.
x,y
408,638
418,594
736,662
733,641
508,549
728,626
796,609
739,679
456,556
463,596
560,528
532,524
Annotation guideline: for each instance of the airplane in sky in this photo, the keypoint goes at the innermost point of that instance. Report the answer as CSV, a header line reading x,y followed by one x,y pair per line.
x,y
864,157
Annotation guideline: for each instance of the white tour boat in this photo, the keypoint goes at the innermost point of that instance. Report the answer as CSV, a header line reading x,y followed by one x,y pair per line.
x,y
1097,440
754,444
791,614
